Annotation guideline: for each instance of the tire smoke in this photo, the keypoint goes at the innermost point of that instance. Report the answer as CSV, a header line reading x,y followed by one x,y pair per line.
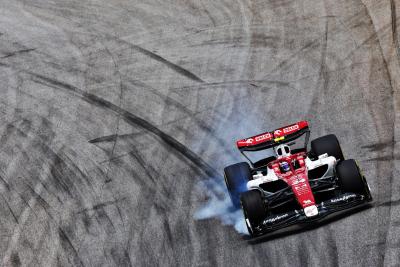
x,y
219,206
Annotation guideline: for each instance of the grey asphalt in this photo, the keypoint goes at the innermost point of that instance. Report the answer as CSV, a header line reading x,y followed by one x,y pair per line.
x,y
113,112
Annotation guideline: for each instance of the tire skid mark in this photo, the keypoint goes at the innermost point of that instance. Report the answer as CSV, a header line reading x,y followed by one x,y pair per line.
x,y
131,119
121,93
43,203
387,158
106,138
10,209
310,45
333,249
378,146
372,37
324,69
388,203
15,53
103,205
5,183
313,43
37,145
149,173
120,260
303,253
171,101
13,242
111,138
171,65
385,63
204,8
394,28
333,71
15,260
160,203
383,237
323,74
152,174
229,83
68,246
103,219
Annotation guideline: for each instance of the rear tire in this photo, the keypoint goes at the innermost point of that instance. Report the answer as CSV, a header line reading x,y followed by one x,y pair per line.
x,y
327,144
351,179
254,208
236,178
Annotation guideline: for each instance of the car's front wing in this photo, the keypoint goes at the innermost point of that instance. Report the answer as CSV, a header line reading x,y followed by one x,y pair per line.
x,y
339,203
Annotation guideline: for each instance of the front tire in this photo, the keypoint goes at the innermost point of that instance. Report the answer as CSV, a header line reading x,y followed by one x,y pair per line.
x,y
254,209
236,178
327,144
350,178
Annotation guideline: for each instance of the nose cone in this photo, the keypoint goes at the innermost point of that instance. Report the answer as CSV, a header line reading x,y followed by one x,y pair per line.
x,y
311,211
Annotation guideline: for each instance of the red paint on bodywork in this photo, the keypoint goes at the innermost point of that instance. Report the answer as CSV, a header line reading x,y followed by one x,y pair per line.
x,y
268,136
255,140
290,129
297,178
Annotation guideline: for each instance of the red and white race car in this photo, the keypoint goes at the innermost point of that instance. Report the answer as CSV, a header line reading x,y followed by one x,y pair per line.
x,y
292,185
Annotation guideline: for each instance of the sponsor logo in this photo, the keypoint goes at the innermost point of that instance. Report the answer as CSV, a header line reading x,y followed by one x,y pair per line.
x,y
279,139
279,217
307,201
291,128
299,181
299,187
263,137
278,132
343,198
246,141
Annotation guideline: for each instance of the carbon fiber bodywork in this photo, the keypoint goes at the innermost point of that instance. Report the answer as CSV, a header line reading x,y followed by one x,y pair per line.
x,y
336,204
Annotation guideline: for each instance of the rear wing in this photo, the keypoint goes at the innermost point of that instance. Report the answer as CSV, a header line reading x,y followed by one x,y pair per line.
x,y
270,139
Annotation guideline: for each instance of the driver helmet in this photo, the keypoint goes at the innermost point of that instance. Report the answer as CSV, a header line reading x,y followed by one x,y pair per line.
x,y
282,151
285,166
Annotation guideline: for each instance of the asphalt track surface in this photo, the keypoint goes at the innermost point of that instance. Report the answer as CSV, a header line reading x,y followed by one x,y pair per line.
x,y
112,113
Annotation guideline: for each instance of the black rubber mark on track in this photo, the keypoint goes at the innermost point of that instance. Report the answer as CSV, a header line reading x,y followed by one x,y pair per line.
x,y
389,203
106,138
67,245
10,209
18,52
131,119
378,146
102,205
112,137
333,249
394,27
171,65
385,158
15,260
43,203
121,258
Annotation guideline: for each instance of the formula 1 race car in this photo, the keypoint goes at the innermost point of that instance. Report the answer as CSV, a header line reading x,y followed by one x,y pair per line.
x,y
292,185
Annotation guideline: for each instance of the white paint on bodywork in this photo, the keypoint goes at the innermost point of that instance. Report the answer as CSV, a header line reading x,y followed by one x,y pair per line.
x,y
311,211
323,159
259,178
